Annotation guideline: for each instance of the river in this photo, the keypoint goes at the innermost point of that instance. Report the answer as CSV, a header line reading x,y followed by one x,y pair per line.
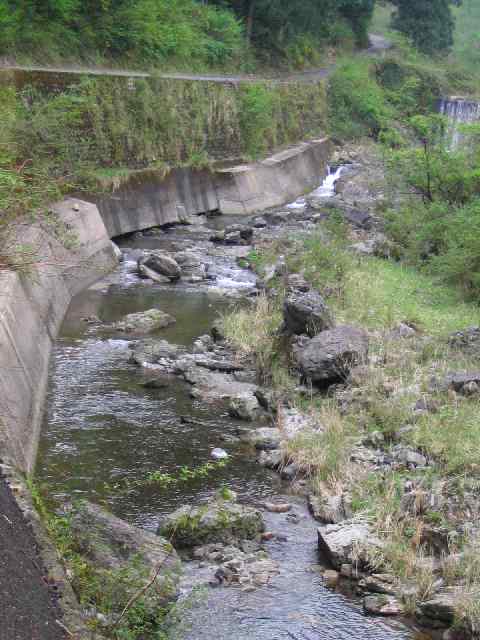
x,y
101,425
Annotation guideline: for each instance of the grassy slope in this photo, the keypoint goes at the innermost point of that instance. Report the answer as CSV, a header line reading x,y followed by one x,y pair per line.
x,y
378,294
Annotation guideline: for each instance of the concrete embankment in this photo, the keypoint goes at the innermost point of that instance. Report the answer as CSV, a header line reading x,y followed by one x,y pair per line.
x,y
33,305
148,198
32,310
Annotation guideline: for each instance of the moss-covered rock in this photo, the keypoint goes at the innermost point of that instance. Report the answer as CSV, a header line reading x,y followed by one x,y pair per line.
x,y
217,521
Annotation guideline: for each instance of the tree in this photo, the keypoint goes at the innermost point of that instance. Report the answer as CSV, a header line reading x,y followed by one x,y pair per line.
x,y
273,24
429,23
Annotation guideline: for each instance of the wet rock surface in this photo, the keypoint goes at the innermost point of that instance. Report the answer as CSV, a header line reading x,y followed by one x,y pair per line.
x,y
160,264
143,322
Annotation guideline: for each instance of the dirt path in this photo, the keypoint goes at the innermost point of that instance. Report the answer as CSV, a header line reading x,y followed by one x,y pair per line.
x,y
27,605
378,44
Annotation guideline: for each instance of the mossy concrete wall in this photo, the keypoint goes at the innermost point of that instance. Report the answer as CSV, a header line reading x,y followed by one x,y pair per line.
x,y
147,198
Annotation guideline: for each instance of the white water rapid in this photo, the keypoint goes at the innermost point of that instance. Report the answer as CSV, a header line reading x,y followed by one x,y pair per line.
x,y
325,190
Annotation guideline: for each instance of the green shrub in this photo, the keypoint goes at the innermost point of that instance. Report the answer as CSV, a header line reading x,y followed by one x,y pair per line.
x,y
256,118
356,103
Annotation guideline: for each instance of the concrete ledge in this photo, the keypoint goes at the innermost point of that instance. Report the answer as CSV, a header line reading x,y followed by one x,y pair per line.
x,y
31,311
149,198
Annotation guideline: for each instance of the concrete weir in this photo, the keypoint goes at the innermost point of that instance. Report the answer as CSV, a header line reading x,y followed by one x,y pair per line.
x,y
34,304
150,198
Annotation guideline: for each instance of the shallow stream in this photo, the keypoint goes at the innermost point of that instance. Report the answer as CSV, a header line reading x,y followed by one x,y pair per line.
x,y
102,425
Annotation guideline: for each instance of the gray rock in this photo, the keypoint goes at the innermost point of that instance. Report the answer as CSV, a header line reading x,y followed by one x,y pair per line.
x,y
357,218
468,339
330,356
259,223
461,382
244,406
290,472
216,521
109,543
143,322
192,266
408,456
162,264
378,583
306,313
297,283
155,351
403,330
263,439
271,459
152,275
276,218
329,509
347,543
383,605
442,606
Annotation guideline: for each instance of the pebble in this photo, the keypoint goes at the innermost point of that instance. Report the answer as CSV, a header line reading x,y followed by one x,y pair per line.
x,y
278,508
267,536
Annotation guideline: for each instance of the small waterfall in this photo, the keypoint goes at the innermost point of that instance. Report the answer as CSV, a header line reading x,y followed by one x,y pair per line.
x,y
459,111
325,190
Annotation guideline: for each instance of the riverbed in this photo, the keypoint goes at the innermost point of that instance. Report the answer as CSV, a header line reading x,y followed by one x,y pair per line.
x,y
102,427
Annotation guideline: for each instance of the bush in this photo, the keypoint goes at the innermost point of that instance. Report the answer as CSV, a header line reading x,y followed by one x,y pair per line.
x,y
356,103
256,116
142,31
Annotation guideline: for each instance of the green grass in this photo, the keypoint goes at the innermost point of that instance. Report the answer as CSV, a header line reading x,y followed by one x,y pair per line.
x,y
452,436
379,294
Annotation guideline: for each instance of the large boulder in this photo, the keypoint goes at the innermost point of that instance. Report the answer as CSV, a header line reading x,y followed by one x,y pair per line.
x,y
244,406
216,521
160,264
442,606
112,546
330,356
383,605
143,322
306,313
192,266
159,352
463,383
329,509
347,543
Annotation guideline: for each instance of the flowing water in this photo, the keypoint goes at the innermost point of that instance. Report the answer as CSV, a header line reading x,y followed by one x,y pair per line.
x,y
101,424
325,190
459,112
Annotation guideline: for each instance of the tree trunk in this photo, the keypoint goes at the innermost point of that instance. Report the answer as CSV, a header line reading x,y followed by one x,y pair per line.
x,y
251,12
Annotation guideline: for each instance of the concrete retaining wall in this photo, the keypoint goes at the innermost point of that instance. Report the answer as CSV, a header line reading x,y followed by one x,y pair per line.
x,y
32,307
149,199
31,311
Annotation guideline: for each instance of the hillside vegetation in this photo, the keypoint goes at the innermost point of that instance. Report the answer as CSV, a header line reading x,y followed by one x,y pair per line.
x,y
185,33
